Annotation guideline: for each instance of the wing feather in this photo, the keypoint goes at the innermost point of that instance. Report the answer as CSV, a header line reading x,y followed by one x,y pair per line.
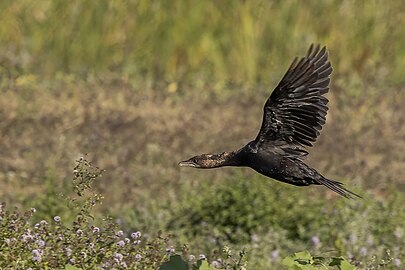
x,y
296,110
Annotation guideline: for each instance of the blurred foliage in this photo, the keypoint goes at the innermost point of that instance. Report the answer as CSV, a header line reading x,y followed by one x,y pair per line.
x,y
183,41
243,212
143,84
240,209
49,203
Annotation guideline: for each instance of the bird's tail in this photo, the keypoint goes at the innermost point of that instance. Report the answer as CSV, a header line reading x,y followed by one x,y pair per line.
x,y
337,187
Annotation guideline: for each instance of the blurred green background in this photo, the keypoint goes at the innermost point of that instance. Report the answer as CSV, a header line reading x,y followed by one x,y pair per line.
x,y
233,41
141,85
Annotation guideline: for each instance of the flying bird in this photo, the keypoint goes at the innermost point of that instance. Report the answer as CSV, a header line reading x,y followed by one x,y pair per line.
x,y
292,120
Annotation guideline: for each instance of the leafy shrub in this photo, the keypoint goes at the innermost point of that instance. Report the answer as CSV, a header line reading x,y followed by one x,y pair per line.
x,y
82,244
270,221
240,208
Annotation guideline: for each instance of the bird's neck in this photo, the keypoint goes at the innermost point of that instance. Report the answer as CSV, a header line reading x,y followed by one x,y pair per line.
x,y
223,159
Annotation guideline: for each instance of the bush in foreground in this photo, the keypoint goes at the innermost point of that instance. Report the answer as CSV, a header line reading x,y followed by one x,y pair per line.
x,y
56,244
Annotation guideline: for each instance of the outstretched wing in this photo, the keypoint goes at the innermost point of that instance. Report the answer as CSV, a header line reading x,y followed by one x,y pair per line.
x,y
296,110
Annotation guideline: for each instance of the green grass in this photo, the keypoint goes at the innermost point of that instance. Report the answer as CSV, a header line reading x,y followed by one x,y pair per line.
x,y
182,42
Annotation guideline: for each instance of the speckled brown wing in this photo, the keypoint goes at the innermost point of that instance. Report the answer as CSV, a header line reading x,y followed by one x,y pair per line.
x,y
296,109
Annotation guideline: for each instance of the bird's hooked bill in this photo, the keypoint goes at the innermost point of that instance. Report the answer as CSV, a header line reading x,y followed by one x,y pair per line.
x,y
187,163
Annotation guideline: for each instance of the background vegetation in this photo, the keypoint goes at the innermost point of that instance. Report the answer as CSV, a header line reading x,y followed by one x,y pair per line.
x,y
141,85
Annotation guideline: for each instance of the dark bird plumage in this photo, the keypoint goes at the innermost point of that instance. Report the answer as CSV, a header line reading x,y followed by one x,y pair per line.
x,y
293,118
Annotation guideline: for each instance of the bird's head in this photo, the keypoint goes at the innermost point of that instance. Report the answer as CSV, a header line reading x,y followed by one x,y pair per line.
x,y
203,161
207,161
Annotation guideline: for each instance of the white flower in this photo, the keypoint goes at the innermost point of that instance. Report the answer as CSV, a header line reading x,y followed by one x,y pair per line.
x,y
36,255
43,222
216,264
397,262
118,256
136,235
68,252
26,237
363,252
170,250
315,241
84,255
40,243
275,254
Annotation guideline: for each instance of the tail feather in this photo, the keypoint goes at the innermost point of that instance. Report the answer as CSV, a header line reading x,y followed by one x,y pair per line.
x,y
338,188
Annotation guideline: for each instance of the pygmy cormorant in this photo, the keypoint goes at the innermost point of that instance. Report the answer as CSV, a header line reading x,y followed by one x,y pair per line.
x,y
293,117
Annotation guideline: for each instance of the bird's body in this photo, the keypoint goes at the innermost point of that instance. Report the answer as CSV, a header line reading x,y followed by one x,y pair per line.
x,y
274,164
293,117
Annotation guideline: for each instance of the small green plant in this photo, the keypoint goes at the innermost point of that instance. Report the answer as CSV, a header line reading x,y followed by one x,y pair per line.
x,y
305,261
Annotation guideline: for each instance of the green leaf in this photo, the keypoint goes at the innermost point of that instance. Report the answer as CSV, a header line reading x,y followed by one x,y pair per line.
x,y
289,260
299,258
71,267
299,261
205,266
345,265
342,264
175,263
336,261
303,255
